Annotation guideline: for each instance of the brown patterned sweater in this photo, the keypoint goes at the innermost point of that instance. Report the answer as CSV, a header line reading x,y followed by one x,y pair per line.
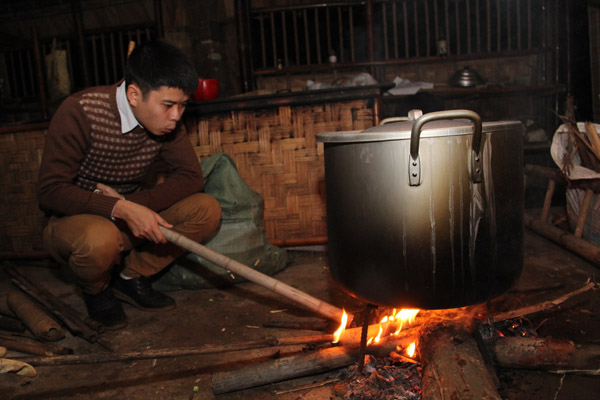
x,y
85,146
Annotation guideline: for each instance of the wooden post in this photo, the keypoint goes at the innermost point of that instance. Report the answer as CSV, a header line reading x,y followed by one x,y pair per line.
x,y
39,69
79,29
548,200
584,211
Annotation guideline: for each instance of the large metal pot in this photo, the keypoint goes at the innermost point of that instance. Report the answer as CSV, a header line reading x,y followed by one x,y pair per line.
x,y
426,213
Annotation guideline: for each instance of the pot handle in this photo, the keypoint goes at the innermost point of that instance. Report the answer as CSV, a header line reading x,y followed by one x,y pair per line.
x,y
412,115
414,167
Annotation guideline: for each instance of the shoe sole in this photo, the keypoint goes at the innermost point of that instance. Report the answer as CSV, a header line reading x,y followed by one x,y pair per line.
x,y
116,327
123,297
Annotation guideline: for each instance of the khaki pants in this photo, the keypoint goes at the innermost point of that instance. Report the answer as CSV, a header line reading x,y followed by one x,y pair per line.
x,y
92,245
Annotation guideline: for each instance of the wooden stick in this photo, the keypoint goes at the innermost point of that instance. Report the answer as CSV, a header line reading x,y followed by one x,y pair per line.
x,y
545,305
319,306
593,137
32,347
548,200
150,354
584,211
582,247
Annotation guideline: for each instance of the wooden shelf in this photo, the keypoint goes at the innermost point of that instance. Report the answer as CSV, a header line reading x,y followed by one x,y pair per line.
x,y
457,92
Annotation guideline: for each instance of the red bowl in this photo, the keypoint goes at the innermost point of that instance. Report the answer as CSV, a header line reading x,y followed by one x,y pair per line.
x,y
208,89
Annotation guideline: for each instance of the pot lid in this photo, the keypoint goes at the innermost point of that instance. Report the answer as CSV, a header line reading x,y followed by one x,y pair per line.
x,y
400,129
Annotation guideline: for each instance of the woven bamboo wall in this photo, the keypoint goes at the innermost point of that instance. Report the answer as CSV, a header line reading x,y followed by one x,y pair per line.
x,y
277,155
274,149
21,221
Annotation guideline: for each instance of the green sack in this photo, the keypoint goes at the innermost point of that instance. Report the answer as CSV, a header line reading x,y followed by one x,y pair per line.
x,y
240,236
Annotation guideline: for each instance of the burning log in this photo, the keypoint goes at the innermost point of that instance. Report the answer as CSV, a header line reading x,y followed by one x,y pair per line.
x,y
303,364
453,367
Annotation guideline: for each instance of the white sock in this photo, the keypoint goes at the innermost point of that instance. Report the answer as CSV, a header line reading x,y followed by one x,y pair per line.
x,y
123,276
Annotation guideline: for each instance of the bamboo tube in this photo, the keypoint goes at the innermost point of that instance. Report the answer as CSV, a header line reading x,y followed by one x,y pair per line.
x,y
325,309
67,315
39,323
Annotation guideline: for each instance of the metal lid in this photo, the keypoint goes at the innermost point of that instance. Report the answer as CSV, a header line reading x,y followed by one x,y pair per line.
x,y
401,130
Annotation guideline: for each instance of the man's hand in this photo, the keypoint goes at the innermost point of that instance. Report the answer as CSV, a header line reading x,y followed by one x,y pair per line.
x,y
142,221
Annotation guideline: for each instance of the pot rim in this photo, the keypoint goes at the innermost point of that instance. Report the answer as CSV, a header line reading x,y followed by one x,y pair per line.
x,y
402,131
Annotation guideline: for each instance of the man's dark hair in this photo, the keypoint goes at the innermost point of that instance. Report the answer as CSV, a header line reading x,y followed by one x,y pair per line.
x,y
158,63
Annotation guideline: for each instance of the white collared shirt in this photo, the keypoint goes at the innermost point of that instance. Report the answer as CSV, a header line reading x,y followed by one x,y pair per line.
x,y
128,120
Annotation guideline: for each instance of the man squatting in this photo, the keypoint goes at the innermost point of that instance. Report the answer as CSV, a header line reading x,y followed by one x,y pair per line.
x,y
99,148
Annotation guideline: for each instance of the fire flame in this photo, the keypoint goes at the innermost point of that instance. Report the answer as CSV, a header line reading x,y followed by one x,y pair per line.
x,y
410,350
338,334
397,317
396,320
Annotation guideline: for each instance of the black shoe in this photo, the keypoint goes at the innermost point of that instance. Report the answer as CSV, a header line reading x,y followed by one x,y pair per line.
x,y
139,293
106,309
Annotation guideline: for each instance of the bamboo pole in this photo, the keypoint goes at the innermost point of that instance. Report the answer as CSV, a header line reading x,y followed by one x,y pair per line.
x,y
319,306
78,359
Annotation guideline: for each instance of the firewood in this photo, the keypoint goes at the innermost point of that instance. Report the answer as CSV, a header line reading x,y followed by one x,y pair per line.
x,y
544,354
545,305
77,359
299,365
453,367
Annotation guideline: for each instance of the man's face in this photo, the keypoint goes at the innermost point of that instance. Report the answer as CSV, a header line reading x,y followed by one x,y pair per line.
x,y
158,111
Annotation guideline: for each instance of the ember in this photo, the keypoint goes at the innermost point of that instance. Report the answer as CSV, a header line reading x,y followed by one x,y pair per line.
x,y
382,378
514,327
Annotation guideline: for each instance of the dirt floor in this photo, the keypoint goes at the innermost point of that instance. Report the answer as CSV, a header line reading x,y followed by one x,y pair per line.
x,y
239,314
